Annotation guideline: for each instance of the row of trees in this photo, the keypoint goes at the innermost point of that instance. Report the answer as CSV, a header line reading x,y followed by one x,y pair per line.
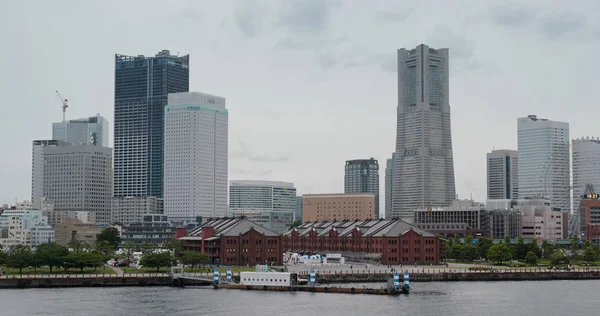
x,y
51,255
464,250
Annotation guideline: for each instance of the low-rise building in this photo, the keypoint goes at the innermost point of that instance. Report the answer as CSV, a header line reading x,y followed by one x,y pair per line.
x,y
338,207
463,217
235,241
24,227
541,221
74,229
154,229
389,241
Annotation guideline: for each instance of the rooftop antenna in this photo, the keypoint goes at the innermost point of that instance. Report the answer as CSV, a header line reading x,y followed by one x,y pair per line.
x,y
65,104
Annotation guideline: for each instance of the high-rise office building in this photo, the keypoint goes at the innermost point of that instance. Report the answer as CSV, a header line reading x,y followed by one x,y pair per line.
x,y
196,151
502,174
271,204
362,176
389,185
37,169
86,131
78,179
586,167
141,88
544,168
298,213
424,171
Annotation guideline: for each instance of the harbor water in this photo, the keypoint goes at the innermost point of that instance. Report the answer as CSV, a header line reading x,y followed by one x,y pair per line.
x,y
548,298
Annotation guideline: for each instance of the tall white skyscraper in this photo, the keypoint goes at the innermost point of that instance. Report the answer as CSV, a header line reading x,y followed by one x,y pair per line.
x,y
544,168
86,131
586,167
196,152
502,175
424,170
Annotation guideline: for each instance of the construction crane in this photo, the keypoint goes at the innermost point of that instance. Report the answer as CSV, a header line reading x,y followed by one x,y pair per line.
x,y
65,104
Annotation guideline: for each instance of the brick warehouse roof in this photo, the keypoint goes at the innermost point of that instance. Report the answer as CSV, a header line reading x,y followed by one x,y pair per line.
x,y
229,227
368,228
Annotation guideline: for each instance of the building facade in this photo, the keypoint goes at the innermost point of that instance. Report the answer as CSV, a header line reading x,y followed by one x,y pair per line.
x,y
389,185
131,209
37,169
586,168
91,131
196,153
24,227
74,229
362,176
544,167
141,88
389,241
541,220
298,212
79,179
337,207
268,203
589,216
463,217
504,223
502,174
154,228
235,242
424,168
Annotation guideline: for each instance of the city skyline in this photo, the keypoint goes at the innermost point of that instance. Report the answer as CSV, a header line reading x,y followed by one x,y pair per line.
x,y
339,84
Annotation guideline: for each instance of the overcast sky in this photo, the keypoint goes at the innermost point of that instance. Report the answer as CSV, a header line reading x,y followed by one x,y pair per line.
x,y
309,84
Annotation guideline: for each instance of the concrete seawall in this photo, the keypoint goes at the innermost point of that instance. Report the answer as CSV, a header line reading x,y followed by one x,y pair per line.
x,y
463,276
51,281
38,281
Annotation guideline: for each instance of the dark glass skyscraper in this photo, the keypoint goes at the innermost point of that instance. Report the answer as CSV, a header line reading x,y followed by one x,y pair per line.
x,y
362,176
141,88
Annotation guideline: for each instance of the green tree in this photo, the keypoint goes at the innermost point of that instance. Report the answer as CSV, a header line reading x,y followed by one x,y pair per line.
x,y
559,256
194,258
296,223
499,253
469,253
111,235
547,249
2,257
520,249
574,245
105,248
590,254
176,246
76,259
483,245
51,255
157,260
531,258
507,240
94,259
533,246
19,257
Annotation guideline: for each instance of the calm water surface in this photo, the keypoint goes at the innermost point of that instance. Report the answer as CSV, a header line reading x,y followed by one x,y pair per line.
x,y
550,298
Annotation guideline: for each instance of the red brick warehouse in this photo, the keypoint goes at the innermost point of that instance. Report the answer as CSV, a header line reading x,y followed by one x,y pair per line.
x,y
389,241
235,242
